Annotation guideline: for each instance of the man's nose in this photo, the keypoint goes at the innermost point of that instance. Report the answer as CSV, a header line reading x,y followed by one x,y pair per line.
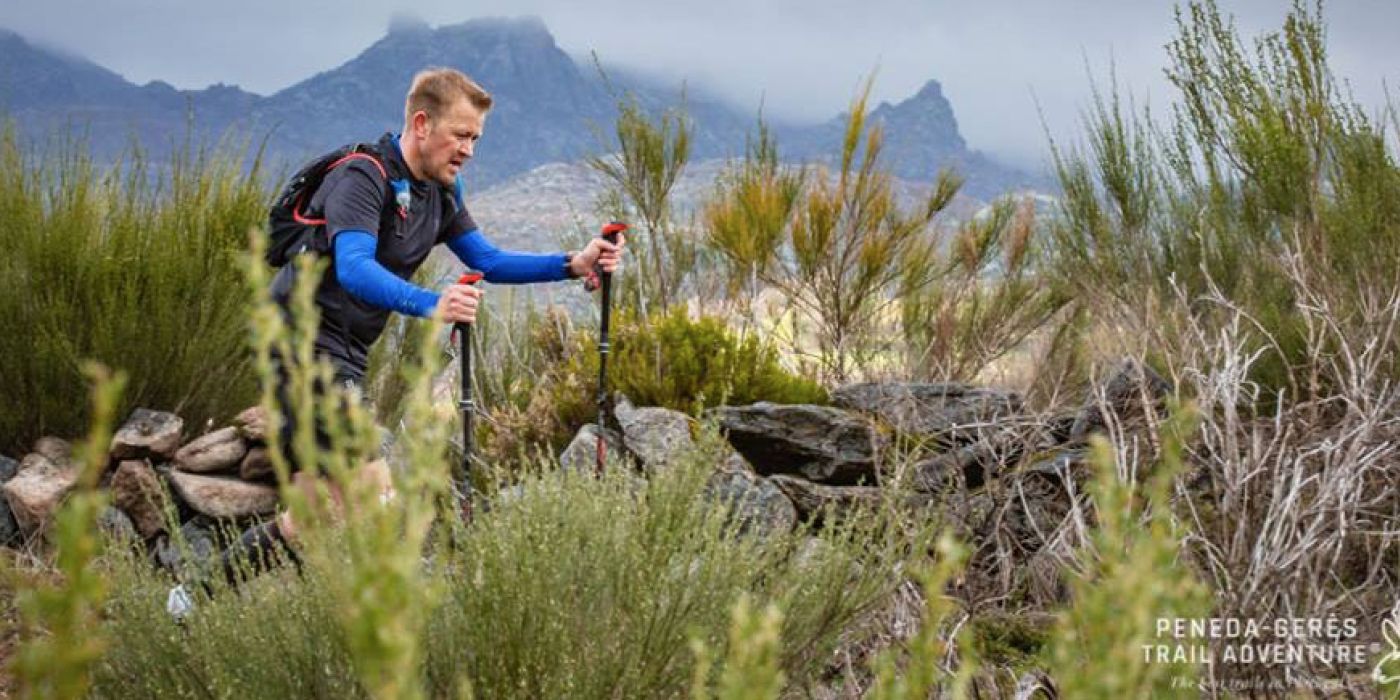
x,y
468,148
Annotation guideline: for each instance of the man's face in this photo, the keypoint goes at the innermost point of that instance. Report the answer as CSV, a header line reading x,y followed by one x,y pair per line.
x,y
449,141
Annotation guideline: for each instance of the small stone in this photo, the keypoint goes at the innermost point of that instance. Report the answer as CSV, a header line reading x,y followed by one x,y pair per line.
x,y
57,450
148,434
136,490
257,465
252,424
8,469
35,493
220,497
117,526
218,451
200,544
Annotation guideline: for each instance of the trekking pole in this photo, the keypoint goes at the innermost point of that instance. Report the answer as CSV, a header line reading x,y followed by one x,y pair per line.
x,y
467,405
610,233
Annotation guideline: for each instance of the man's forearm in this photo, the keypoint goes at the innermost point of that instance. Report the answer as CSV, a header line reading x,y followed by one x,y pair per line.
x,y
504,266
365,279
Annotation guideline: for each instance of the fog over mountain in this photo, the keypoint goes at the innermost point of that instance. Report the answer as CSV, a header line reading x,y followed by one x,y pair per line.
x,y
1002,64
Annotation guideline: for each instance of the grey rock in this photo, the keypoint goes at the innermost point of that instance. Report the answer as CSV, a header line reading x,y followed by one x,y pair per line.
x,y
818,443
8,468
657,437
251,423
970,466
951,413
147,434
758,505
220,497
582,453
9,529
218,451
35,493
196,545
117,526
57,450
1131,390
137,491
257,465
814,501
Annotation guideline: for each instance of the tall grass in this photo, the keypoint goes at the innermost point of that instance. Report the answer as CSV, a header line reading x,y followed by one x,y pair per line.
x,y
132,265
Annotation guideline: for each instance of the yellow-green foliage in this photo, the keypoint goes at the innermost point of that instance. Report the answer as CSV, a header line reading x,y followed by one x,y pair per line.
x,y
666,359
134,266
1134,577
751,670
370,552
837,245
61,642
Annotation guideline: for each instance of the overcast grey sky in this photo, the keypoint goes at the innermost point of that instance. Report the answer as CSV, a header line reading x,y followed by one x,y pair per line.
x,y
803,58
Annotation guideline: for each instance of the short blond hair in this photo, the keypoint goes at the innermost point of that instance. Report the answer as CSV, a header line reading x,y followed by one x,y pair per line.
x,y
435,89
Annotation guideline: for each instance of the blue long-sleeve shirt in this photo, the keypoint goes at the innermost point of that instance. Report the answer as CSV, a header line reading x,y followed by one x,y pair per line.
x,y
362,276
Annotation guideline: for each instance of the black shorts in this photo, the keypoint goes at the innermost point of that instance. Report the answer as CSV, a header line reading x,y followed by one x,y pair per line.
x,y
346,378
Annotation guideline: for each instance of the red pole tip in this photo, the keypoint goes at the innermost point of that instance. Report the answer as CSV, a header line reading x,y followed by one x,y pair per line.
x,y
470,278
614,227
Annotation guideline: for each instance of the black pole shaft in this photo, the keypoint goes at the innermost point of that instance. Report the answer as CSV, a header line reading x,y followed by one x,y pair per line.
x,y
467,405
603,348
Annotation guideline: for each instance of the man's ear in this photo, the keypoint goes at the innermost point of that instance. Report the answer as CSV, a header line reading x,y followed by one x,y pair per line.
x,y
420,124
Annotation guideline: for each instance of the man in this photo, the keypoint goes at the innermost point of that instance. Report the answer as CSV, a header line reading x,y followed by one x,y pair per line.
x,y
383,216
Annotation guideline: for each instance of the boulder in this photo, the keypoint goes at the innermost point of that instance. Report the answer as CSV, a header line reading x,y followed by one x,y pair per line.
x,y
818,443
35,493
1130,392
948,412
137,491
251,423
57,450
655,436
117,526
9,529
759,506
257,465
582,452
147,434
8,469
220,497
815,500
218,451
197,542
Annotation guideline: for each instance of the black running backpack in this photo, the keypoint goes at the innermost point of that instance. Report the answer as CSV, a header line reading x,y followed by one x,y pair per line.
x,y
292,229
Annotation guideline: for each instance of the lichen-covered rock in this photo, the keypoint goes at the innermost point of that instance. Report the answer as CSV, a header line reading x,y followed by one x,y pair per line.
x,y
655,436
35,493
949,412
148,434
582,452
220,497
221,450
1131,391
759,506
816,500
818,443
252,424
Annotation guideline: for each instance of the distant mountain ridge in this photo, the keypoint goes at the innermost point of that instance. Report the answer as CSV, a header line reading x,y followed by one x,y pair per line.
x,y
548,108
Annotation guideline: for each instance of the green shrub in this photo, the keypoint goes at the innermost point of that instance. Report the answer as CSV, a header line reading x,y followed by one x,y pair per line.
x,y
134,266
667,359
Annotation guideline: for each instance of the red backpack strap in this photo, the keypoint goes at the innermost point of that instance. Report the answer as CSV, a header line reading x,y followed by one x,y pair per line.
x,y
353,155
